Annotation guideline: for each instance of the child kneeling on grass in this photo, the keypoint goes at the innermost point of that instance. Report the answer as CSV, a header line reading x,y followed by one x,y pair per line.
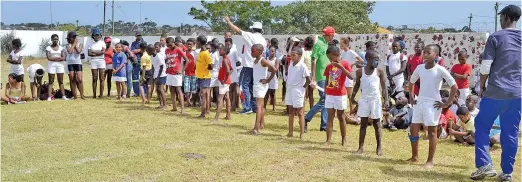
x,y
369,79
298,79
119,60
336,100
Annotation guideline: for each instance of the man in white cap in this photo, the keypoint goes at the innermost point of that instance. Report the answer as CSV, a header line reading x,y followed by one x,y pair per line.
x,y
246,78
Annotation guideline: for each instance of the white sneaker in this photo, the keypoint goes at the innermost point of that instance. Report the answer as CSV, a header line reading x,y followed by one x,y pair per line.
x,y
65,98
49,99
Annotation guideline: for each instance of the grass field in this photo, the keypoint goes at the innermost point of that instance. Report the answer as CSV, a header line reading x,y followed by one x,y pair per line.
x,y
109,140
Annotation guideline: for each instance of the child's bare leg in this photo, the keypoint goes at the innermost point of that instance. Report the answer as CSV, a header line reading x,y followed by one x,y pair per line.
x,y
349,92
300,114
163,100
267,97
342,125
494,140
329,125
118,90
378,135
219,107
432,135
228,105
202,100
124,93
207,92
362,134
273,100
291,112
143,97
259,115
262,121
414,139
173,98
181,99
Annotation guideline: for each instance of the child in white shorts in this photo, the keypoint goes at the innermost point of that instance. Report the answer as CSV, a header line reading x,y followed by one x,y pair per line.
x,y
260,71
428,108
336,101
298,80
369,79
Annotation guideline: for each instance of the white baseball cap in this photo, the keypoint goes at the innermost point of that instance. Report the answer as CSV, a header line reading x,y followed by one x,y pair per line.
x,y
257,25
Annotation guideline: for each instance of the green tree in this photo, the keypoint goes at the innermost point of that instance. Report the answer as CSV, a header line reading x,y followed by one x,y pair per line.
x,y
242,13
67,27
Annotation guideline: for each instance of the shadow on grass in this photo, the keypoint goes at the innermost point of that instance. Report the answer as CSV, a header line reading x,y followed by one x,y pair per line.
x,y
421,175
398,161
323,149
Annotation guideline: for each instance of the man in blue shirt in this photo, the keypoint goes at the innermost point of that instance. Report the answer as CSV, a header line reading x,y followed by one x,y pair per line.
x,y
501,66
135,48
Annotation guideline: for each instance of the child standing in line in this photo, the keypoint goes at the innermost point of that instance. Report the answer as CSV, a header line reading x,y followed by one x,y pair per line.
x,y
224,80
428,108
336,100
298,81
119,60
355,61
260,72
369,79
189,80
273,85
395,69
16,59
203,66
146,75
160,75
175,70
461,72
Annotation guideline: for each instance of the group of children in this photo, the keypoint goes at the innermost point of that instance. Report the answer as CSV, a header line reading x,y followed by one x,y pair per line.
x,y
197,65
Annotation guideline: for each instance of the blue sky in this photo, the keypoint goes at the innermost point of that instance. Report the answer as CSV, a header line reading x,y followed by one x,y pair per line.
x,y
441,14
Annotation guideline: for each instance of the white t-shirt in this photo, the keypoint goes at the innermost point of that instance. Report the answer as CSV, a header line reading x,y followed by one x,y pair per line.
x,y
97,46
55,53
394,63
234,58
17,68
31,70
297,74
350,56
157,61
250,40
431,81
216,59
74,57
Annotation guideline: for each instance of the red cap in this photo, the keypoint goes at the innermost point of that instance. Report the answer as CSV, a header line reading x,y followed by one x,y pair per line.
x,y
328,31
107,40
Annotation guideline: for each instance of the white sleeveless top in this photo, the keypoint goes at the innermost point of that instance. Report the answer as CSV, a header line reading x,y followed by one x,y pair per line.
x,y
260,72
370,85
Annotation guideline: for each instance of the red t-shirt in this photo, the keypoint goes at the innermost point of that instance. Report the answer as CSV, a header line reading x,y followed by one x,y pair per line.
x,y
223,71
173,62
415,61
445,117
335,85
462,69
108,55
191,65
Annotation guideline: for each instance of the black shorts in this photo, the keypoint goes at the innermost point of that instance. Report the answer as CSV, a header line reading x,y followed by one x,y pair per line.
x,y
148,78
74,67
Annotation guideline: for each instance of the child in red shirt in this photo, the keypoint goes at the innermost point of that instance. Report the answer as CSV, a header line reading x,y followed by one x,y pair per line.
x,y
175,69
336,100
224,79
189,79
415,60
461,72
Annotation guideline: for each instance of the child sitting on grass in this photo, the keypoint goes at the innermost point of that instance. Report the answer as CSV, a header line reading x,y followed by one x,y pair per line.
x,y
471,103
464,131
399,116
14,89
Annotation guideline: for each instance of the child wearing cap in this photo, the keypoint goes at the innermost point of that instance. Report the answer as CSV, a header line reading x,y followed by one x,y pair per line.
x,y
74,49
96,53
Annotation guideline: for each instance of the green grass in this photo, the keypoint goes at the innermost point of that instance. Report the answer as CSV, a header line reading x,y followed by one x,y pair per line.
x,y
108,140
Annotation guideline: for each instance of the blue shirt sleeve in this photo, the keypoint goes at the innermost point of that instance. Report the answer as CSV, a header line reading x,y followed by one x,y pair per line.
x,y
489,50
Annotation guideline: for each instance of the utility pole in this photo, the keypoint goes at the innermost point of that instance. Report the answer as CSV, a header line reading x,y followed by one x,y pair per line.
x,y
112,18
470,17
496,15
104,9
140,13
51,11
